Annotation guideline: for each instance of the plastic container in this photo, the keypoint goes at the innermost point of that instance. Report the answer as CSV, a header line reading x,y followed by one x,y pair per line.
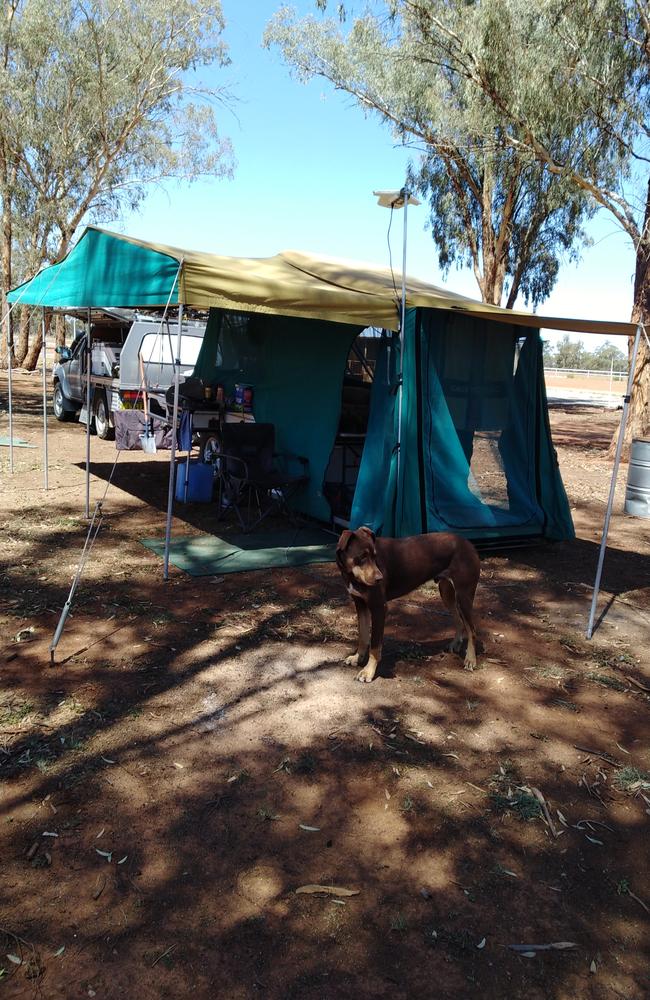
x,y
637,493
199,484
243,400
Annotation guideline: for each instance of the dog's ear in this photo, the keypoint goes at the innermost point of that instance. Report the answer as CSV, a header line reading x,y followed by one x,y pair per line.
x,y
344,540
368,531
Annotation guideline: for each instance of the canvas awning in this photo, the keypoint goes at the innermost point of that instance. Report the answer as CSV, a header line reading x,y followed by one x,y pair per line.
x,y
107,269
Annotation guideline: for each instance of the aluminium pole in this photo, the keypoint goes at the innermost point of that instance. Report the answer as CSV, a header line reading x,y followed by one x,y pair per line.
x,y
44,349
172,451
402,334
10,347
88,366
612,488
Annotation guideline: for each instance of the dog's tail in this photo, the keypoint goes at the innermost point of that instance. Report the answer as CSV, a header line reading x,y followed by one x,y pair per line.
x,y
463,607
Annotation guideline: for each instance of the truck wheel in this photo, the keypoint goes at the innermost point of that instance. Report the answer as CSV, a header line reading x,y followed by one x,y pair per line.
x,y
102,420
58,405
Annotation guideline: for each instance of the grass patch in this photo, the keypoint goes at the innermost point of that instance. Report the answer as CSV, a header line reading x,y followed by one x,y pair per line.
x,y
523,804
606,681
13,713
570,706
267,814
549,671
630,778
508,796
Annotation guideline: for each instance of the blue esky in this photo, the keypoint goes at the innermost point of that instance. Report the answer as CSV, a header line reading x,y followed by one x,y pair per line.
x,y
308,161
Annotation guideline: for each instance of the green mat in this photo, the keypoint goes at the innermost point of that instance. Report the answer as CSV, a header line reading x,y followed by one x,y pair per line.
x,y
208,555
17,443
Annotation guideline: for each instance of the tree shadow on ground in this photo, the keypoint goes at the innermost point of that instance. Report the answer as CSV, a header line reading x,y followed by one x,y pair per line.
x,y
196,782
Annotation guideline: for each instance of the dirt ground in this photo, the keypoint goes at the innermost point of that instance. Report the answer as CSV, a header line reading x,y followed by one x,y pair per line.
x,y
199,752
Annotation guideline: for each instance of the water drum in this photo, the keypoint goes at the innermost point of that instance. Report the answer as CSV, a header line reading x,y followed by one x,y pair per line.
x,y
637,493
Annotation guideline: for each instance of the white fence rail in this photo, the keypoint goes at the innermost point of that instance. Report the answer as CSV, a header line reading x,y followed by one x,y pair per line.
x,y
602,372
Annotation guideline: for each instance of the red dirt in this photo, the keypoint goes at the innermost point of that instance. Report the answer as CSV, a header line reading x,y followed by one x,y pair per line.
x,y
190,728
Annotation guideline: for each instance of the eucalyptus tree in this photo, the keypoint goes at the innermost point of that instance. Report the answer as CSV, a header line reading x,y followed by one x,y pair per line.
x,y
492,206
98,100
579,69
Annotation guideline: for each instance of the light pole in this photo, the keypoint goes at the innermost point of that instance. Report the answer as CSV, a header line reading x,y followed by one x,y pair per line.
x,y
399,199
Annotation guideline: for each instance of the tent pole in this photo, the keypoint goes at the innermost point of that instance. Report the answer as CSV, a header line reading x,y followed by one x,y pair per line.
x,y
10,347
612,488
44,349
172,451
88,366
401,352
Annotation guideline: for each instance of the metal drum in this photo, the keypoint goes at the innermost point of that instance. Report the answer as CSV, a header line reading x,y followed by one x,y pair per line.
x,y
637,493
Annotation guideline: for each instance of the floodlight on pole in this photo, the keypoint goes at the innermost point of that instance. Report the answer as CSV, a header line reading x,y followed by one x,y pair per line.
x,y
399,199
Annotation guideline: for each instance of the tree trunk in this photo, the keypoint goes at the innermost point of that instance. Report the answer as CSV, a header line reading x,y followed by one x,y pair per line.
x,y
31,359
22,344
638,421
5,279
59,329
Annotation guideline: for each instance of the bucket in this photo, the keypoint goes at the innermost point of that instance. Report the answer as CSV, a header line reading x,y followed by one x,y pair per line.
x,y
637,493
200,480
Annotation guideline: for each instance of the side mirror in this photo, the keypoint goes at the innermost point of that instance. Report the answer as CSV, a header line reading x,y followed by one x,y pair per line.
x,y
64,353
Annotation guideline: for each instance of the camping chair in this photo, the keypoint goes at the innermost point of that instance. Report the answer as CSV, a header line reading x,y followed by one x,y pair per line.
x,y
253,479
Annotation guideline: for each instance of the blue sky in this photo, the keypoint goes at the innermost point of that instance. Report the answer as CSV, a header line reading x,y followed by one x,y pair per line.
x,y
307,164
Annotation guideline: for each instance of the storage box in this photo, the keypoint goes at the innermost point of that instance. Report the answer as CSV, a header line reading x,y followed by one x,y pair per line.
x,y
200,480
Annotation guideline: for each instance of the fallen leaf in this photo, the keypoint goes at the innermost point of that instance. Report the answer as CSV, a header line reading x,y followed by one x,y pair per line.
x,y
553,946
312,829
593,840
179,766
15,959
481,944
329,890
105,854
100,833
122,860
593,967
47,833
60,951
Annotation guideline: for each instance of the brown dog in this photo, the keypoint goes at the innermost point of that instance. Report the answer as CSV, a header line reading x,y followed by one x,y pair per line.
x,y
376,570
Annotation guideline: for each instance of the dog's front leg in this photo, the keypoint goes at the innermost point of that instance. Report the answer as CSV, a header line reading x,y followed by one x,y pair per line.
x,y
363,643
378,617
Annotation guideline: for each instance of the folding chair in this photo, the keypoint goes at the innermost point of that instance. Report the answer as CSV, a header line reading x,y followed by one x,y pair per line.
x,y
253,479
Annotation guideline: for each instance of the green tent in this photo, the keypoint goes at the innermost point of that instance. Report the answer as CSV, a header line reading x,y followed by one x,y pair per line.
x,y
476,451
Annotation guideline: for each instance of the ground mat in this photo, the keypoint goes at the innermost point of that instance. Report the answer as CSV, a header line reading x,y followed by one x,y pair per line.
x,y
6,442
207,555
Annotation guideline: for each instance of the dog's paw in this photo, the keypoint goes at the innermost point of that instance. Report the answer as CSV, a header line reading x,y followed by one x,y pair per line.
x,y
366,675
352,660
455,646
470,663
